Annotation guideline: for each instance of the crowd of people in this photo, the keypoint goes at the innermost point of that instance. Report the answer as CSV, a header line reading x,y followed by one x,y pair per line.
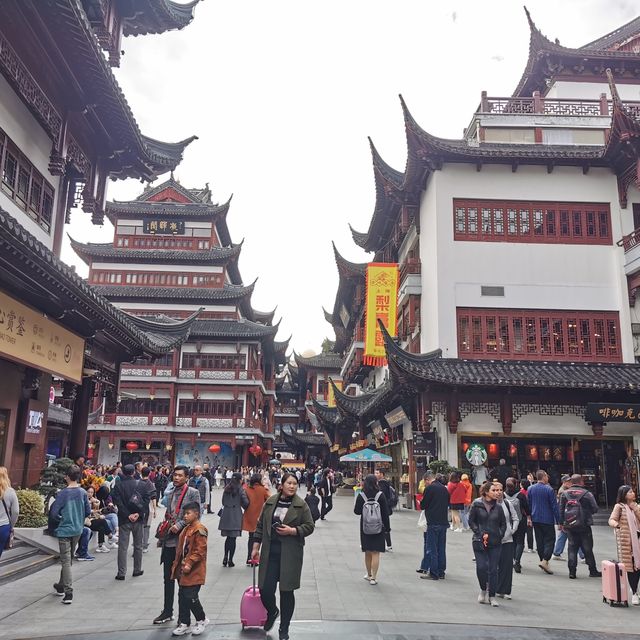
x,y
119,505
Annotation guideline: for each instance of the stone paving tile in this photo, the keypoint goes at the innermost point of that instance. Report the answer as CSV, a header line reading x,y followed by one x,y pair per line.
x,y
332,587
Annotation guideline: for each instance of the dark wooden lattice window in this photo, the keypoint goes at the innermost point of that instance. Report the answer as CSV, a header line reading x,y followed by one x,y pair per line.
x,y
539,335
535,222
24,184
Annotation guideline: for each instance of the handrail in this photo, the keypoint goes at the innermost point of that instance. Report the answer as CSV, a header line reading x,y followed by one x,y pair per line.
x,y
630,241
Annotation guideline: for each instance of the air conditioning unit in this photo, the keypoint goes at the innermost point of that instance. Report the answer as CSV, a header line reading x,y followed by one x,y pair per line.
x,y
635,328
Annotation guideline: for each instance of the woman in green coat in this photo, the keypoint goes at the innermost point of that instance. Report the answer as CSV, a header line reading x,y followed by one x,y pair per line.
x,y
283,525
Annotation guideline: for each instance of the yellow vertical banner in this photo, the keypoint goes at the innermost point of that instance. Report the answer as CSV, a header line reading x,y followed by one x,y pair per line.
x,y
331,397
381,304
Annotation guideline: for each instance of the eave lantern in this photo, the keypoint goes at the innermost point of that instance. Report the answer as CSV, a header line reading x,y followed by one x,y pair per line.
x,y
131,446
214,448
256,450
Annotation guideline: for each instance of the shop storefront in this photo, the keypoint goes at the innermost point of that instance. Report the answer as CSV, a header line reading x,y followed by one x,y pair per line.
x,y
605,463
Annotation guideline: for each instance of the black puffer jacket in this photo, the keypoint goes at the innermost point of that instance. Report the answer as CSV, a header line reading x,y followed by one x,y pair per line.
x,y
482,521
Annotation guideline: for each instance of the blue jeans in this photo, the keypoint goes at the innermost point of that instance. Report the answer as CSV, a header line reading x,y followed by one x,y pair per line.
x,y
464,514
436,549
83,544
5,530
561,541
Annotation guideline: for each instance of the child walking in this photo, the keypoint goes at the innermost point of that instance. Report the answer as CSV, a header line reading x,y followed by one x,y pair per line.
x,y
190,570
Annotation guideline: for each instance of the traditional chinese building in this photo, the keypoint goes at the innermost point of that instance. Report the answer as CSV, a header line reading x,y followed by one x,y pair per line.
x,y
65,128
518,244
172,258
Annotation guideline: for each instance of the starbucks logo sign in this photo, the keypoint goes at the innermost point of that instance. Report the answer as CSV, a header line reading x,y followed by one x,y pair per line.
x,y
476,455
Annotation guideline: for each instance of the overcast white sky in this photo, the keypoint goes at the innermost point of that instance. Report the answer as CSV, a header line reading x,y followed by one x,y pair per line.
x,y
283,95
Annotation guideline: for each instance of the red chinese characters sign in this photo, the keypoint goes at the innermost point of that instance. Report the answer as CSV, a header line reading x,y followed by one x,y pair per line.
x,y
381,304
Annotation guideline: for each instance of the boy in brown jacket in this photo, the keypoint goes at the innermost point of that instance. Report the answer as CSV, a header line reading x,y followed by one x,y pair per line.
x,y
190,570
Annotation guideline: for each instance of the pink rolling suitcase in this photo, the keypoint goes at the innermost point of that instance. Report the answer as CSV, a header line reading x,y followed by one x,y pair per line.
x,y
252,611
614,584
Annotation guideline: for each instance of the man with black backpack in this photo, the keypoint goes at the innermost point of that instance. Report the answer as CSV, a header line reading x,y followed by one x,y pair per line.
x,y
131,515
577,506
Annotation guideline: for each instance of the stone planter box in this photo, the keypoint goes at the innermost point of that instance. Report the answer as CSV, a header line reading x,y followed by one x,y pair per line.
x,y
36,537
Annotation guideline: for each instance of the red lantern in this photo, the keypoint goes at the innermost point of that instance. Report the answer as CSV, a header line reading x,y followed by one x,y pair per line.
x,y
465,447
214,448
513,451
493,450
131,446
256,450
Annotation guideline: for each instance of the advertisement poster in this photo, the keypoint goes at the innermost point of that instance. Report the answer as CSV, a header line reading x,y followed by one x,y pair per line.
x,y
199,454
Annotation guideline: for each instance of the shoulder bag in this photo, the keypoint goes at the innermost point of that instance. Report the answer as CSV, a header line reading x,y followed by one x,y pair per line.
x,y
170,518
9,543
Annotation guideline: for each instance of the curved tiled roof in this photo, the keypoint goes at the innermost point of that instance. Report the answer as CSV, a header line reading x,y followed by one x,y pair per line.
x,y
157,16
216,255
196,210
195,294
432,367
31,259
214,328
321,361
346,268
133,154
615,38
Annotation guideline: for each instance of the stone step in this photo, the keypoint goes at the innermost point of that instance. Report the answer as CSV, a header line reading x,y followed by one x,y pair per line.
x,y
18,551
22,560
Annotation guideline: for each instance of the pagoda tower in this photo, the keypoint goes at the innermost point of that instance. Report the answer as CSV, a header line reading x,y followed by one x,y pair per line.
x,y
172,258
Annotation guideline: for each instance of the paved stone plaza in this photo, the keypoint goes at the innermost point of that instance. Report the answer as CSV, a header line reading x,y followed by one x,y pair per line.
x,y
332,590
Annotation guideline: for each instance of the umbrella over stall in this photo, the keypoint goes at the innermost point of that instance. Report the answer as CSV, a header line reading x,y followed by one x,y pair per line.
x,y
366,455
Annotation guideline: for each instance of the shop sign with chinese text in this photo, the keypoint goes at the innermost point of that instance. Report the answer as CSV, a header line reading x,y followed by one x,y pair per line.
x,y
381,304
156,226
612,412
28,337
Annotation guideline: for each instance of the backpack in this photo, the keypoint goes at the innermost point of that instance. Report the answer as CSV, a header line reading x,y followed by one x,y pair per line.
x,y
393,497
573,511
371,515
136,504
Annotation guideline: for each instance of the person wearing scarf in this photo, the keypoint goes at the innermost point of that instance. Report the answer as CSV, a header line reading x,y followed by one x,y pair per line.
x,y
625,519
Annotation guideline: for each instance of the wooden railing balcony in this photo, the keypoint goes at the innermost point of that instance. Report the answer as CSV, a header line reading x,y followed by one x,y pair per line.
x,y
536,104
219,374
411,266
630,241
134,419
148,370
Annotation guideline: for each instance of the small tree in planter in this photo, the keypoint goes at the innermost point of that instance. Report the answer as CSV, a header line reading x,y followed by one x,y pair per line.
x,y
31,509
443,467
52,478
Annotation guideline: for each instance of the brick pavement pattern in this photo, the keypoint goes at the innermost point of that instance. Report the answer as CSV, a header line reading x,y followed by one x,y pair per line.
x,y
332,589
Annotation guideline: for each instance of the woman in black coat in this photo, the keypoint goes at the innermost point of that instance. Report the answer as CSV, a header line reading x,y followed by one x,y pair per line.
x,y
487,521
372,544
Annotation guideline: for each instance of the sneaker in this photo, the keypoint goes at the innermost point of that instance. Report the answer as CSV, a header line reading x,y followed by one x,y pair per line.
x,y
102,548
390,549
162,618
271,620
506,596
558,557
499,595
85,558
68,598
137,573
635,599
572,576
145,550
517,567
429,576
119,577
595,574
493,602
59,589
482,597
417,571
373,582
366,577
200,626
181,630
112,545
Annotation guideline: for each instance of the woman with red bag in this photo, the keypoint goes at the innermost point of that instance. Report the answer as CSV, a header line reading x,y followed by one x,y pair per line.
x,y
9,510
457,496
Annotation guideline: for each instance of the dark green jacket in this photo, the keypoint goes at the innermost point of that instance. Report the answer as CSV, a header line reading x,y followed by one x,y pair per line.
x,y
298,516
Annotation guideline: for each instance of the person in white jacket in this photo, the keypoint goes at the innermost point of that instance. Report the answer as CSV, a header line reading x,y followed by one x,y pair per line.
x,y
505,568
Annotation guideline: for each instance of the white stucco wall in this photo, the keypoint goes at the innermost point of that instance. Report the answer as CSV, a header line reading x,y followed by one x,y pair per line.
x,y
534,276
592,90
25,131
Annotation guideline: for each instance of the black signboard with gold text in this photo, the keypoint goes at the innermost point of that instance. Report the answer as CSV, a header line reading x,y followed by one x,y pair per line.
x,y
612,412
164,227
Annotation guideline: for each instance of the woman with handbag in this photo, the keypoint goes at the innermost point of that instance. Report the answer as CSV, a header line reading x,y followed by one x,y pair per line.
x,y
9,510
625,519
282,527
234,500
488,523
